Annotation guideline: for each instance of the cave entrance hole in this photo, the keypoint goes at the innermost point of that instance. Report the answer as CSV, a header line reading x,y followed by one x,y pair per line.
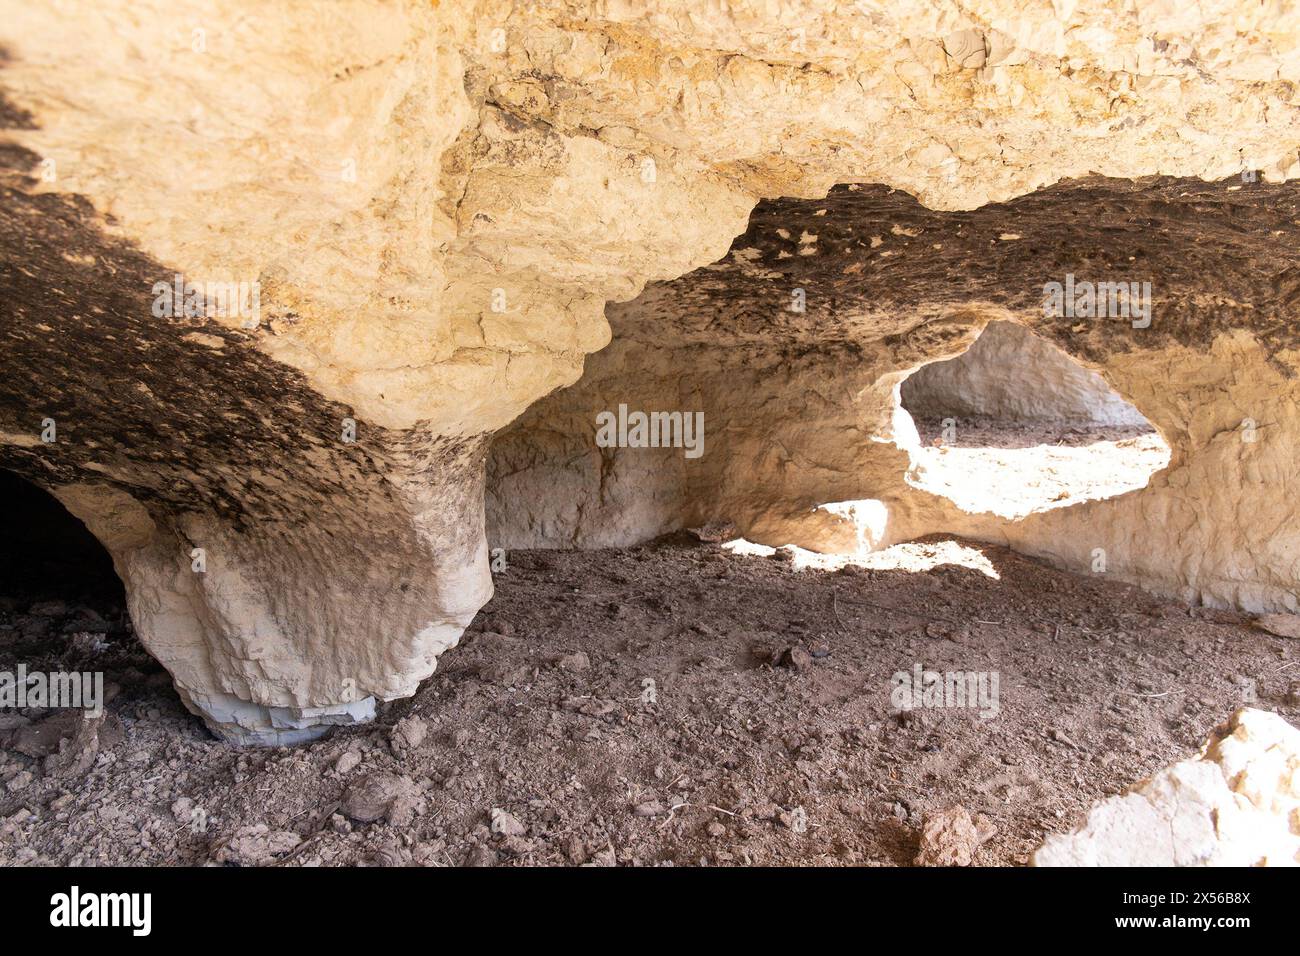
x,y
1015,426
62,605
46,554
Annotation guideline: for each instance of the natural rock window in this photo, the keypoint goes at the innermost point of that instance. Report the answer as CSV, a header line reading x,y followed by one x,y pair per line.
x,y
1014,426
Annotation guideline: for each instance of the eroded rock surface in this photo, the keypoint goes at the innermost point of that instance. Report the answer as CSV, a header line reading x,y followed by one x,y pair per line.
x,y
952,837
1237,803
804,440
1011,374
438,201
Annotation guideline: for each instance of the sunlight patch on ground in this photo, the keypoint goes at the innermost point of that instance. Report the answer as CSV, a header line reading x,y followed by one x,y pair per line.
x,y
913,556
1015,482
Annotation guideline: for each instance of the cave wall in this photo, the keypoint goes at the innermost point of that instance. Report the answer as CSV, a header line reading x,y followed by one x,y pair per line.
x,y
438,202
1012,375
176,440
800,406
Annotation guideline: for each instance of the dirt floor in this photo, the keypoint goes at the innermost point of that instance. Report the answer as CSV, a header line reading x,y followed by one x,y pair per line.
x,y
986,466
767,735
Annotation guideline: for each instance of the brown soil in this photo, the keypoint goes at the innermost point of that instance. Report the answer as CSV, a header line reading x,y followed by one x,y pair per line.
x,y
1016,470
542,713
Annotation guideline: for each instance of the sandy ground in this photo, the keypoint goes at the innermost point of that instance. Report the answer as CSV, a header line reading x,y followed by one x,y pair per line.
x,y
678,703
987,467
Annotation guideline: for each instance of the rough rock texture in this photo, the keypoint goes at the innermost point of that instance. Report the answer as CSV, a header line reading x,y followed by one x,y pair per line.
x,y
1283,625
438,201
951,837
1012,374
255,846
383,796
1237,803
804,438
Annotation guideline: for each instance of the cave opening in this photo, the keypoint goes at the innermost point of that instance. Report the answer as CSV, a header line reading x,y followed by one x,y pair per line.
x,y
48,555
59,592
72,669
1015,426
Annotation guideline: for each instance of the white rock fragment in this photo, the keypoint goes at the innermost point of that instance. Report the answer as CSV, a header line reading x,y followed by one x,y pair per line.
x,y
1237,803
506,824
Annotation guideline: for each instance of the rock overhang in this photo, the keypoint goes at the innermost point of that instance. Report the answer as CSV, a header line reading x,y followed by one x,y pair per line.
x,y
438,206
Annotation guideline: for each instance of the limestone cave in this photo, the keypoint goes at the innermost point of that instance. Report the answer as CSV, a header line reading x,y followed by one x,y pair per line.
x,y
486,433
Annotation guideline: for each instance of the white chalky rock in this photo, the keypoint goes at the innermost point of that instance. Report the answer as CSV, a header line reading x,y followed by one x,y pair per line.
x,y
1237,803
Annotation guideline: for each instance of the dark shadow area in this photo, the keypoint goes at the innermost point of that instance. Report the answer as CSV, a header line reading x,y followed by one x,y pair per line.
x,y
62,605
48,555
62,616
